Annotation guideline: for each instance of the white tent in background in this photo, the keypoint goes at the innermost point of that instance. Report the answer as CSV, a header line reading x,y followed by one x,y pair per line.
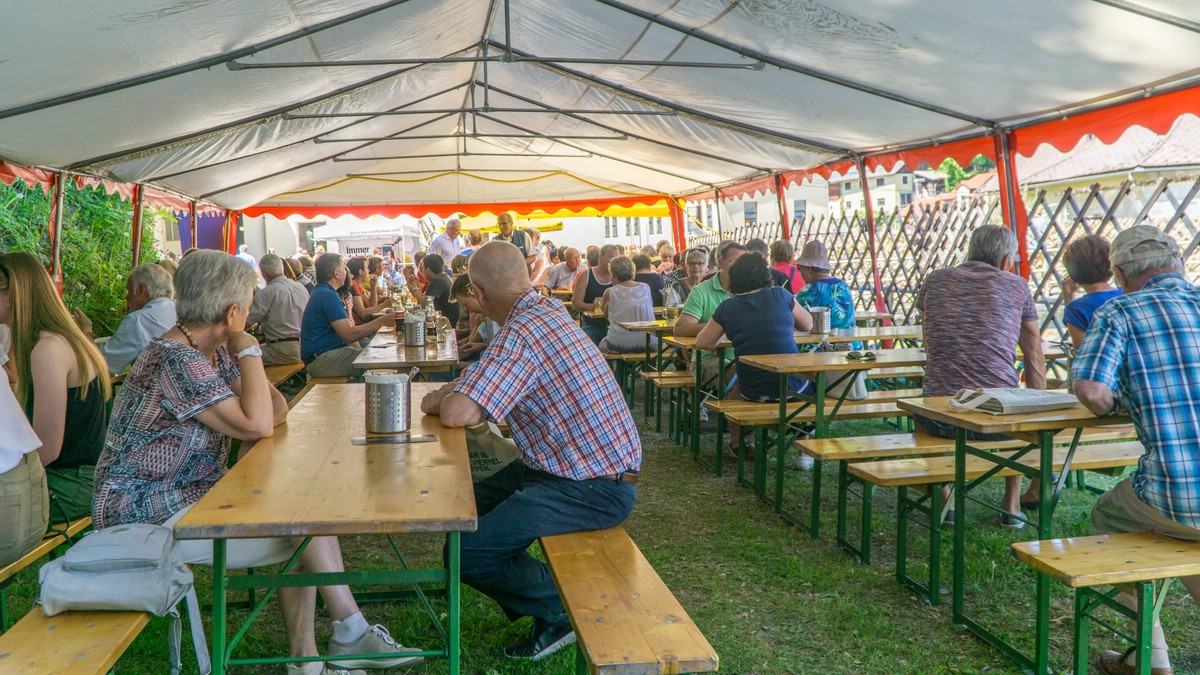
x,y
361,102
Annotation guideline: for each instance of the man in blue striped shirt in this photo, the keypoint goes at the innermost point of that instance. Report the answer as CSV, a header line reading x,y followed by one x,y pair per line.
x,y
1142,353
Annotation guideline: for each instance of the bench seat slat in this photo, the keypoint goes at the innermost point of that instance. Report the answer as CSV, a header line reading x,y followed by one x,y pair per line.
x,y
929,470
849,411
44,547
626,619
277,375
71,643
1105,559
920,443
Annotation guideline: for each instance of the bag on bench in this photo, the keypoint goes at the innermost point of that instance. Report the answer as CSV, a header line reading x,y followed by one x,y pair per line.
x,y
134,567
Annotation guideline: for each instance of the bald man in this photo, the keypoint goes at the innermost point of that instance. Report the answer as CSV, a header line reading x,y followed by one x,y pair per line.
x,y
580,451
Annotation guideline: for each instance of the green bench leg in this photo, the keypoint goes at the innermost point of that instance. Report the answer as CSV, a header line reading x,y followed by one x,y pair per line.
x,y
581,664
930,591
861,553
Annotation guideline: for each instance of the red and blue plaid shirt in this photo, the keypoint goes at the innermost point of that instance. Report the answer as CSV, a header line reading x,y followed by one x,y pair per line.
x,y
543,376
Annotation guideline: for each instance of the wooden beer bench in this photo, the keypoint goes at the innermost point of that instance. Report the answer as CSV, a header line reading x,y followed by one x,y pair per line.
x,y
277,375
1145,560
918,443
57,536
625,618
71,643
932,473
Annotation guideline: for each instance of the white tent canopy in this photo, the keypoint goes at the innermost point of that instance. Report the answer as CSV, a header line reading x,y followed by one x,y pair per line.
x,y
533,100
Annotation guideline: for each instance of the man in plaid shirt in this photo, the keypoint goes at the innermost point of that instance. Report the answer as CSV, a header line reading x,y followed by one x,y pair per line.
x,y
581,452
1142,353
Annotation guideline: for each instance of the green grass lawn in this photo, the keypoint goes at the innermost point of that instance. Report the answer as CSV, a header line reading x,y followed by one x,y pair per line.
x,y
769,598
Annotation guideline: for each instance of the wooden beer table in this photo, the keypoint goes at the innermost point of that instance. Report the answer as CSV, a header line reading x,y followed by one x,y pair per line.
x,y
1037,429
387,350
308,480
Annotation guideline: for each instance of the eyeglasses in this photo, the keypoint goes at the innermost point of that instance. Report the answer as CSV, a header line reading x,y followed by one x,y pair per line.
x,y
861,356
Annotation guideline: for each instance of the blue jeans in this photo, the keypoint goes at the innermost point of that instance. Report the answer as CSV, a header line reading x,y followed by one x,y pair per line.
x,y
595,330
518,505
943,430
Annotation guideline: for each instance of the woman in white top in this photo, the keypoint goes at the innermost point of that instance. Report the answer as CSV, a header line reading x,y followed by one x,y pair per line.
x,y
26,511
625,301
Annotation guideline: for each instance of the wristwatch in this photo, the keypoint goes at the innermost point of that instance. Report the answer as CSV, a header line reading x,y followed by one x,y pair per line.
x,y
252,350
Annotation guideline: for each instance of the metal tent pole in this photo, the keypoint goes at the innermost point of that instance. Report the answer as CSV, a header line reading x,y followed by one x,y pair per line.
x,y
136,224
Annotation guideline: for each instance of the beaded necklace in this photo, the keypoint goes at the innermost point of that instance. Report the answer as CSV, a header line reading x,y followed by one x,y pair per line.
x,y
192,341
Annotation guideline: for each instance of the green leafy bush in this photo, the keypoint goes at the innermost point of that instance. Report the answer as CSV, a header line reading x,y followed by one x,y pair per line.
x,y
96,244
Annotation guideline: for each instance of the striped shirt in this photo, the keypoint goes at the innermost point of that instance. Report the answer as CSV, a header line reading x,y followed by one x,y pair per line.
x,y
575,426
973,316
1145,346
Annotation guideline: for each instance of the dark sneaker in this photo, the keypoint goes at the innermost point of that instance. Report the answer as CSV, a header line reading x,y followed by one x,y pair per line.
x,y
543,640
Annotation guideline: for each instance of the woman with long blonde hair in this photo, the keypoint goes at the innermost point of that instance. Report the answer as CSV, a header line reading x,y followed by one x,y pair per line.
x,y
62,382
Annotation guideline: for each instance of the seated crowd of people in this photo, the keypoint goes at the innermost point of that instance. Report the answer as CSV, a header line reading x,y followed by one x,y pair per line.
x,y
196,381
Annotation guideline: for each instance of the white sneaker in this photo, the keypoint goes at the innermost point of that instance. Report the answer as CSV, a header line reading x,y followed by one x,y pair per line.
x,y
703,414
376,640
319,668
798,462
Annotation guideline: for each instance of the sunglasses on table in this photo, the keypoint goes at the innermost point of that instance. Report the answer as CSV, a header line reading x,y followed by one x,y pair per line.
x,y
861,356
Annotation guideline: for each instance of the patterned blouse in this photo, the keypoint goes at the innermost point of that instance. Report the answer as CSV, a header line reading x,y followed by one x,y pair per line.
x,y
158,458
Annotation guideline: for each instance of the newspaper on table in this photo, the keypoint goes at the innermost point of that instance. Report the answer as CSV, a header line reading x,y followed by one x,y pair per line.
x,y
1011,401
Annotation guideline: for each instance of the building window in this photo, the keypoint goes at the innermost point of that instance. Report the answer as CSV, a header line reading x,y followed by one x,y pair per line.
x,y
879,182
881,203
905,198
799,209
637,227
170,229
904,180
750,211
851,186
708,214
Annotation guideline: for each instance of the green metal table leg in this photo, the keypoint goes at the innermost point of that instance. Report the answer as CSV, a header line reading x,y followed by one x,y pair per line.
x,y
960,528
868,493
696,402
781,442
454,600
719,458
1146,616
218,607
935,545
1083,631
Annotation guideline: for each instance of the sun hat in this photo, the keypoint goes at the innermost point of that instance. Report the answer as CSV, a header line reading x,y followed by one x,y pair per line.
x,y
814,255
1142,242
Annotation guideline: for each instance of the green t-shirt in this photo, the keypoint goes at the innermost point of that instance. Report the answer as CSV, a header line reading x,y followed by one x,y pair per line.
x,y
703,301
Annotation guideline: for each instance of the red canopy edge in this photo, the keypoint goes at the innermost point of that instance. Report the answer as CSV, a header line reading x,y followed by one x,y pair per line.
x,y
446,210
1156,113
45,179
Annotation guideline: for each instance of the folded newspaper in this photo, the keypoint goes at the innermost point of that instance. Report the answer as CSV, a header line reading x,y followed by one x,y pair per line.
x,y
1011,401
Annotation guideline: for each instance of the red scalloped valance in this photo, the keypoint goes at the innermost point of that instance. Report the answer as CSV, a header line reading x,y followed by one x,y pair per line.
x,y
446,210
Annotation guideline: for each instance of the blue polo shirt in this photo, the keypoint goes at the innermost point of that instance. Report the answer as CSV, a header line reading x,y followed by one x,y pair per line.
x,y
317,335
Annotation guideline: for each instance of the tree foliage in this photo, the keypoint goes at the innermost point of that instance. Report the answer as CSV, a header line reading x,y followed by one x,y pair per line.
x,y
97,250
955,173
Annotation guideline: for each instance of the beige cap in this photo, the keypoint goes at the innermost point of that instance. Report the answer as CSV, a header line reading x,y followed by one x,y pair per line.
x,y
814,255
1142,242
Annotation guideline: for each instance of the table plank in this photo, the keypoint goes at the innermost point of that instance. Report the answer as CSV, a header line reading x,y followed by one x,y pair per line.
x,y
1111,559
938,408
812,362
841,335
656,326
387,350
308,479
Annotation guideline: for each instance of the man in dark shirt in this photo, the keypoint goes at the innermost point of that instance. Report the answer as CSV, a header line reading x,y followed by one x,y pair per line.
x,y
440,283
327,340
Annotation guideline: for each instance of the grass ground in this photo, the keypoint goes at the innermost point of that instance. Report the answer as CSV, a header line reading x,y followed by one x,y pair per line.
x,y
770,599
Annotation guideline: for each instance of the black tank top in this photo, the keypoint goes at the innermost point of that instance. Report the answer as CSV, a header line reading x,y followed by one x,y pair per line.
x,y
592,293
86,426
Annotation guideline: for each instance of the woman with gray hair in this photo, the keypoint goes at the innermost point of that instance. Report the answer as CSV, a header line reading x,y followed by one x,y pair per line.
x,y
695,265
191,391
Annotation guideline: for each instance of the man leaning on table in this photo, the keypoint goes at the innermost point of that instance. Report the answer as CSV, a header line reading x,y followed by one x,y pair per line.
x,y
975,315
580,450
1142,353
327,340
